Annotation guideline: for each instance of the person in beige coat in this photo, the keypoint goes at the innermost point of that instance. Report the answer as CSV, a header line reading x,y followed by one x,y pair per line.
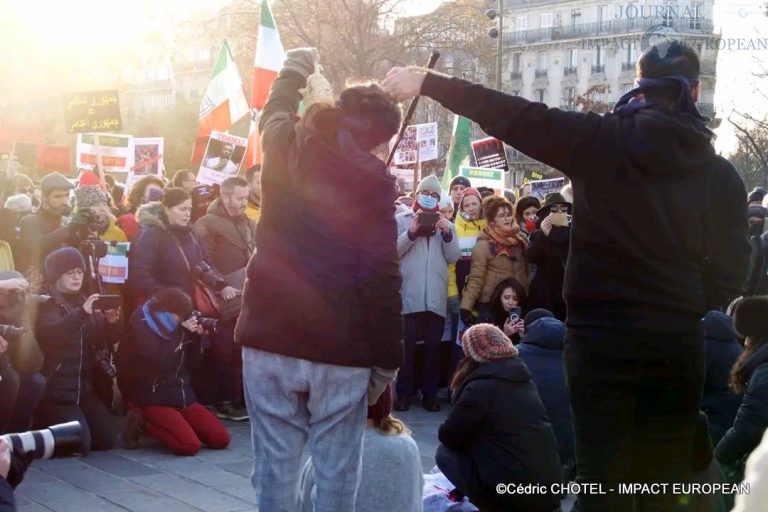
x,y
498,255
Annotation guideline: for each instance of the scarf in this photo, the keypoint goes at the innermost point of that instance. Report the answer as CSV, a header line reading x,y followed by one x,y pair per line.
x,y
636,100
161,323
504,240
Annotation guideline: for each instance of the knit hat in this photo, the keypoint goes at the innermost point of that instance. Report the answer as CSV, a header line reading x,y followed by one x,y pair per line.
x,y
749,318
460,180
19,203
445,201
383,406
54,181
757,211
756,195
88,179
486,342
61,261
430,184
524,203
89,195
469,192
536,314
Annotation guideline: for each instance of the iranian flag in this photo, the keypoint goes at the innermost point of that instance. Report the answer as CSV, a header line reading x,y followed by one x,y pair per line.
x,y
269,57
224,107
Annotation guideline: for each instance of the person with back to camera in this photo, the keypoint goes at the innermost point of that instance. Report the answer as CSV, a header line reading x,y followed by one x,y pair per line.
x,y
639,278
498,431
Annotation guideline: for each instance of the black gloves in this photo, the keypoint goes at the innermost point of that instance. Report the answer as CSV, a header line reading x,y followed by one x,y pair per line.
x,y
467,317
79,226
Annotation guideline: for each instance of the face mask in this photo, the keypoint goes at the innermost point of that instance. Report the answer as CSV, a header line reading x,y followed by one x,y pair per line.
x,y
530,225
427,202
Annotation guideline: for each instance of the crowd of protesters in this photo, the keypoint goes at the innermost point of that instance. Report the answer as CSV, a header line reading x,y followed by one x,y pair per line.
x,y
327,355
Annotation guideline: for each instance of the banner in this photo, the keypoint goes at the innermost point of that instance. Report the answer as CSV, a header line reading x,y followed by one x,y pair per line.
x,y
532,176
540,189
489,154
407,149
93,111
147,159
426,135
223,157
480,177
113,267
116,152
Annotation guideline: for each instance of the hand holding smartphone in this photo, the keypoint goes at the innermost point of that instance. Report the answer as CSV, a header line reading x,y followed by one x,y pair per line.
x,y
107,302
562,220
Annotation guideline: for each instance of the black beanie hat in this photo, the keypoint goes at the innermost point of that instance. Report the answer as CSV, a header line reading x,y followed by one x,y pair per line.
x,y
174,197
537,314
757,194
61,261
460,180
749,318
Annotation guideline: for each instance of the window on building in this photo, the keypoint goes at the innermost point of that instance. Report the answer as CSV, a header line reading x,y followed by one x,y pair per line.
x,y
570,98
600,56
541,61
626,87
547,20
521,23
573,57
575,17
669,13
517,59
696,15
540,95
602,15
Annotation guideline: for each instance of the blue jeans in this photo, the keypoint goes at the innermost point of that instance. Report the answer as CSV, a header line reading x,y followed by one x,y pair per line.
x,y
291,401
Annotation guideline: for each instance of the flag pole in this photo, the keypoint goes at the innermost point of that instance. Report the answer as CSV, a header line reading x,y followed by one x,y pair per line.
x,y
409,113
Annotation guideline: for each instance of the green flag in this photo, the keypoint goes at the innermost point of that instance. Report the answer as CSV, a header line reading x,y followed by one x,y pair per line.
x,y
458,151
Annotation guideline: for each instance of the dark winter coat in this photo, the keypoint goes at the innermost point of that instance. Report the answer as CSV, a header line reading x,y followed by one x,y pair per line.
x,y
69,338
40,234
7,499
550,255
542,351
156,260
757,276
752,417
500,424
719,402
677,249
324,284
229,241
156,371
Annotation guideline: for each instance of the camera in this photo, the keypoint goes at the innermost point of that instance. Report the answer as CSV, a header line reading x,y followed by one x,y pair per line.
x,y
93,246
9,332
60,440
209,325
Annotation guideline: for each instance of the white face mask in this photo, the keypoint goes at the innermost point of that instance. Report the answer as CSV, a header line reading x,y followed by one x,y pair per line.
x,y
427,202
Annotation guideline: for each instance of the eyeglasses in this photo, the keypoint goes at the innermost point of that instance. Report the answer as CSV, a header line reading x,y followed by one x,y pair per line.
x,y
558,209
431,194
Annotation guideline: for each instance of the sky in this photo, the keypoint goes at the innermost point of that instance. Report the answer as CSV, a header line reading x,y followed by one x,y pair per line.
x,y
91,26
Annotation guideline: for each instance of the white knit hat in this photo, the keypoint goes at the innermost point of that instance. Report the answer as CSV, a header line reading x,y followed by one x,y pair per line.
x,y
19,203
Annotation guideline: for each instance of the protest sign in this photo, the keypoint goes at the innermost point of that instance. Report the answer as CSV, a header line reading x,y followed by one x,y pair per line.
x,y
407,150
223,157
147,159
532,176
541,188
115,152
92,111
113,267
426,134
489,154
480,177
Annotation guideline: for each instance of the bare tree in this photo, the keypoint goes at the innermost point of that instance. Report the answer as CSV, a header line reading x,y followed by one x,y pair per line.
x,y
751,155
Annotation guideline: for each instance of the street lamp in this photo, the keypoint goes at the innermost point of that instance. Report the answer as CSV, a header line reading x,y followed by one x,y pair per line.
x,y
497,33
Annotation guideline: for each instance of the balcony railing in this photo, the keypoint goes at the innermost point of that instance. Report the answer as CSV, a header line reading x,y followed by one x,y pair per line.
x,y
598,69
608,28
571,70
515,75
541,73
627,66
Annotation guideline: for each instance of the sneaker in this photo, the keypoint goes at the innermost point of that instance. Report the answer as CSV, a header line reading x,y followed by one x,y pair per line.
x,y
227,411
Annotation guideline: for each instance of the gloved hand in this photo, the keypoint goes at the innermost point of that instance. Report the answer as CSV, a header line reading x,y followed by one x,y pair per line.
x,y
467,317
379,380
79,226
301,61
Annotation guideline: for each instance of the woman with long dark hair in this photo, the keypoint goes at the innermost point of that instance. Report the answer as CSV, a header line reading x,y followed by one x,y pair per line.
x,y
508,301
748,376
498,430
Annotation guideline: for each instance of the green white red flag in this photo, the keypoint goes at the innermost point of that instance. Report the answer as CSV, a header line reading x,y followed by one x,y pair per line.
x,y
224,106
459,150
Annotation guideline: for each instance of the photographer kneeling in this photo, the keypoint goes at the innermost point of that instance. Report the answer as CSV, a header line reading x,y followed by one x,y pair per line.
x,y
70,330
154,363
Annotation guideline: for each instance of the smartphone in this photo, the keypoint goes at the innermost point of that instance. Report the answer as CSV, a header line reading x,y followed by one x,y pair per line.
x,y
514,314
561,220
427,220
107,302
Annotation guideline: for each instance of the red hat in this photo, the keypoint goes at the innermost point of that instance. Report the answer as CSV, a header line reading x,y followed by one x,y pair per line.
x,y
470,192
88,178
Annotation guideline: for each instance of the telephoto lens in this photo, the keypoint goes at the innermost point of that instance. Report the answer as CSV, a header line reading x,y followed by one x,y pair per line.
x,y
62,440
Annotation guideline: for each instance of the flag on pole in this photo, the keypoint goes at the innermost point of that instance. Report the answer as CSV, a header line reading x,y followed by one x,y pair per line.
x,y
458,151
224,107
270,55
